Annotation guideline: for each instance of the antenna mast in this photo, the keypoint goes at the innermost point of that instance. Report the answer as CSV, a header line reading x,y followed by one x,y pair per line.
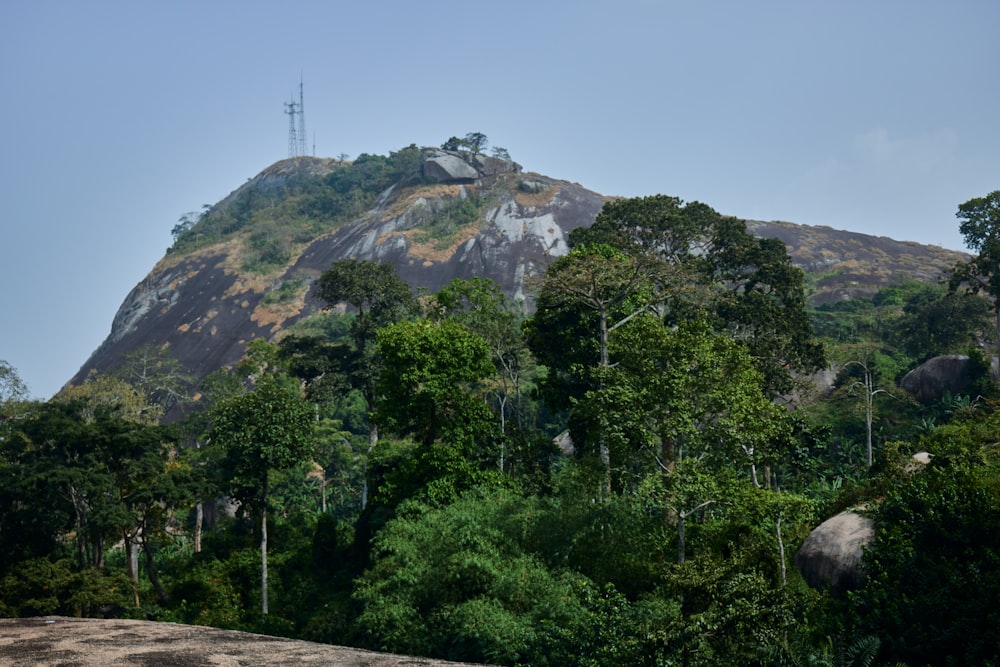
x,y
296,130
292,108
302,119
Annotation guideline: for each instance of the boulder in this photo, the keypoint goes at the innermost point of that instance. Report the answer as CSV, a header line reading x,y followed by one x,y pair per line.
x,y
831,555
491,166
929,381
445,167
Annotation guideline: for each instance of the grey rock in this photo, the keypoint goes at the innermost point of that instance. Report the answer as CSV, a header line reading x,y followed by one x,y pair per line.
x,y
929,381
831,555
55,640
532,186
491,166
443,167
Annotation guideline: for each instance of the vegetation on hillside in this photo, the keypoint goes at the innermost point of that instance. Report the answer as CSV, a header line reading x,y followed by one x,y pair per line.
x,y
398,485
276,219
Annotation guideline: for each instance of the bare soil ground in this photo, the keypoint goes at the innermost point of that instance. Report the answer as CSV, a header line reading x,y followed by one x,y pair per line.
x,y
83,642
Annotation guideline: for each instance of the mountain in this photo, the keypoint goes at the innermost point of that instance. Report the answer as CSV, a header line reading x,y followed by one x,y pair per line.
x,y
245,267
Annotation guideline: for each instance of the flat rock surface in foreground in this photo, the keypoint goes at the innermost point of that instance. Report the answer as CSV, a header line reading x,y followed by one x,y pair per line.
x,y
83,642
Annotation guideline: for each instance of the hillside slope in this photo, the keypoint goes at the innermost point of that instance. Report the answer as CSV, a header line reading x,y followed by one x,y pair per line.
x,y
245,268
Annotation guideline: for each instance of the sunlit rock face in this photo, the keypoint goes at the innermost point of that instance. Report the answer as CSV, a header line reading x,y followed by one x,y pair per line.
x,y
205,307
457,215
831,555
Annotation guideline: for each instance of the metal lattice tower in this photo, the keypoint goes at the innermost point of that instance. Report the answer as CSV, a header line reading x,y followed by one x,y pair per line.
x,y
292,109
296,128
302,120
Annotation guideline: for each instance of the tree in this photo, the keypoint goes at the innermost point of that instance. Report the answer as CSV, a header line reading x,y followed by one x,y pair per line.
x,y
745,287
935,320
157,374
980,228
476,142
380,297
500,153
480,305
584,297
683,394
264,430
428,390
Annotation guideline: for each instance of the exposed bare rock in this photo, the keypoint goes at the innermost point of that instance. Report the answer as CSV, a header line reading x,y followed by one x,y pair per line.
x,y
206,305
444,167
929,381
847,265
831,555
84,642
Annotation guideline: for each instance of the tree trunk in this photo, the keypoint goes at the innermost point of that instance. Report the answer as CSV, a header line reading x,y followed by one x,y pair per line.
x,y
372,441
263,561
781,551
681,516
605,452
132,565
154,578
199,519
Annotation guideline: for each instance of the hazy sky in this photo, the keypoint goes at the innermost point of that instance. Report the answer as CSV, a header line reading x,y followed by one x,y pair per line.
x,y
119,117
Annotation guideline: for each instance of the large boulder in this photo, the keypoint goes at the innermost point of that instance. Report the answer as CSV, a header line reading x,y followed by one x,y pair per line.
x,y
445,167
831,555
929,381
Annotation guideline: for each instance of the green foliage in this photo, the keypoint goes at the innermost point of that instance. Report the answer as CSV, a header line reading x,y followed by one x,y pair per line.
x,y
272,222
439,224
266,429
460,582
934,566
43,587
429,368
712,268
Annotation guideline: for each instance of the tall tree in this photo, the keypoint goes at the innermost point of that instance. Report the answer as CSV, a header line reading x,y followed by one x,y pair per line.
x,y
747,286
263,430
428,390
583,298
157,374
480,305
380,297
980,228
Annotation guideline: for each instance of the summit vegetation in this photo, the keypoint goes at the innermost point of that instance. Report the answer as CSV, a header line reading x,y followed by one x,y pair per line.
x,y
620,477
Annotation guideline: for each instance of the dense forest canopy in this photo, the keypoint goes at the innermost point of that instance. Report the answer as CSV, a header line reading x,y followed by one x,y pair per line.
x,y
622,477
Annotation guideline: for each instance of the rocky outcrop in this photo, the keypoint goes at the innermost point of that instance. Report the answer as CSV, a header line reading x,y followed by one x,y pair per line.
x,y
86,642
929,381
204,307
831,555
443,166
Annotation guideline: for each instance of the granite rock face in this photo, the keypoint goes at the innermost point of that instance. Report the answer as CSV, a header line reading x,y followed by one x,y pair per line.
x,y
831,555
929,381
89,642
204,308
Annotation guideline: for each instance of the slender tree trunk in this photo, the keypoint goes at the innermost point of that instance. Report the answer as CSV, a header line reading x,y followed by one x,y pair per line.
x,y
681,516
263,561
781,551
132,565
605,452
154,578
199,519
372,441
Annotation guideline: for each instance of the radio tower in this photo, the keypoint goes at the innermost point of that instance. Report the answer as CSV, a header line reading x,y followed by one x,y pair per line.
x,y
302,120
296,130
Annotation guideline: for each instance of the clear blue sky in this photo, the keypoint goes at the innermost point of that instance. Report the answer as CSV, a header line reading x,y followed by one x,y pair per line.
x,y
119,117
